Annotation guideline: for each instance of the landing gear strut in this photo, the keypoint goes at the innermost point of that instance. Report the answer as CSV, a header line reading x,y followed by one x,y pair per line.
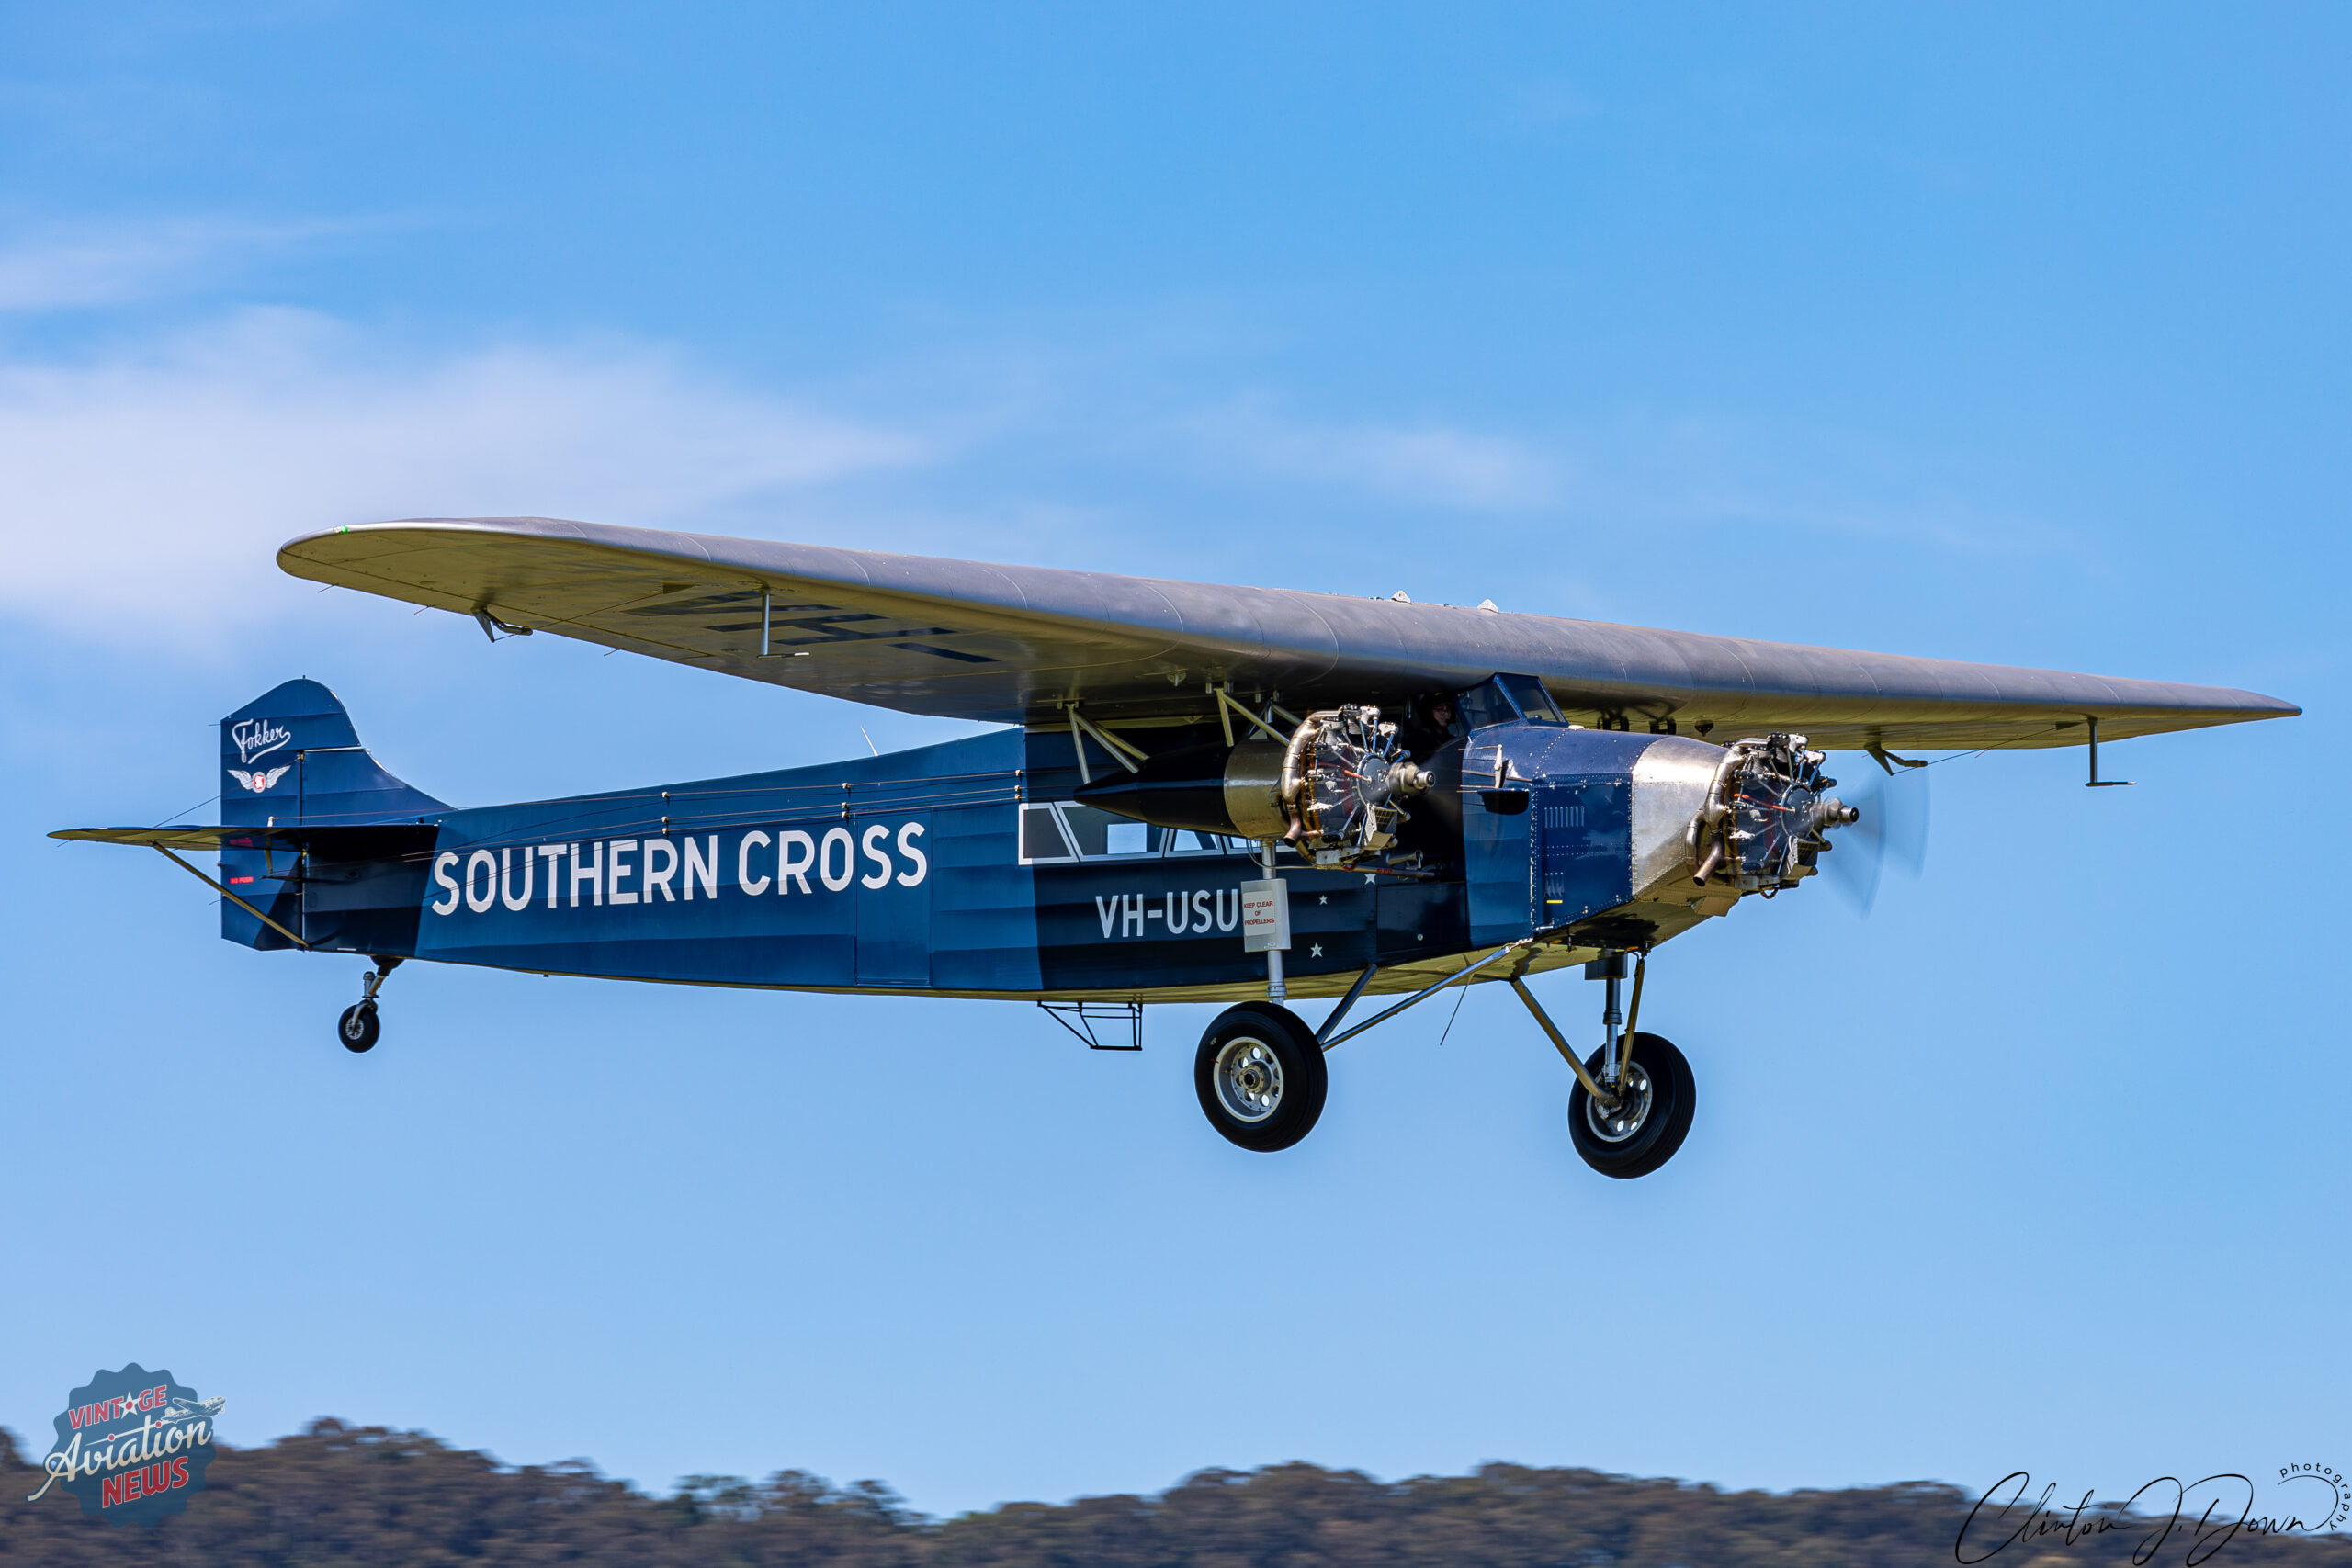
x,y
359,1028
1647,1116
1261,1078
1632,1104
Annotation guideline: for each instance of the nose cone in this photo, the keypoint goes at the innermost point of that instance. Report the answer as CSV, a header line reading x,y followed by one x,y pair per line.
x,y
1179,789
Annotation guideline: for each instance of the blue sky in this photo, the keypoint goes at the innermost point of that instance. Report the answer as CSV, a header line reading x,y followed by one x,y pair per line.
x,y
1985,333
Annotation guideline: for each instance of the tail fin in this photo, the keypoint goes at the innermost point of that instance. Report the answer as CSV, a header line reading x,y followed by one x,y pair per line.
x,y
291,756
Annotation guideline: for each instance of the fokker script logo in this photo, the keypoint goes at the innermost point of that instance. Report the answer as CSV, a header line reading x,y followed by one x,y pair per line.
x,y
257,737
258,780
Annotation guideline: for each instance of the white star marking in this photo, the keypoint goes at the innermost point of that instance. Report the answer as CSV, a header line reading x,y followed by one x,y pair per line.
x,y
1315,950
1325,899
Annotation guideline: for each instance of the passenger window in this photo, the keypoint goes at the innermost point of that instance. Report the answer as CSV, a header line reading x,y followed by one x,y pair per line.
x,y
1041,835
1089,829
1062,831
1097,832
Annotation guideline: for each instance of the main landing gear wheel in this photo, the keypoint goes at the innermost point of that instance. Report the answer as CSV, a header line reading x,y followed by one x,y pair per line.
x,y
357,1029
1260,1076
1650,1118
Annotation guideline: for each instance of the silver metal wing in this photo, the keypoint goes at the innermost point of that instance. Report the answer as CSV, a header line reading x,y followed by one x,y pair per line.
x,y
1018,643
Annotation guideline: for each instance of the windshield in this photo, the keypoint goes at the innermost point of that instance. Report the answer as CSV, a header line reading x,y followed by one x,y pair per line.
x,y
1532,701
1508,697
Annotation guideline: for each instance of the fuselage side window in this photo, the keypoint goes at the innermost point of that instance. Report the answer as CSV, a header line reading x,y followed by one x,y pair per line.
x,y
1059,832
1042,838
1098,833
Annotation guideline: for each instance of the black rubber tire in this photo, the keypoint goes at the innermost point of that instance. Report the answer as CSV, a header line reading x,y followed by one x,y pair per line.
x,y
1299,1099
1673,1096
359,1028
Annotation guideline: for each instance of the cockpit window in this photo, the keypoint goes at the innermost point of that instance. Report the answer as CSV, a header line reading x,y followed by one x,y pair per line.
x,y
1485,704
1532,701
1508,697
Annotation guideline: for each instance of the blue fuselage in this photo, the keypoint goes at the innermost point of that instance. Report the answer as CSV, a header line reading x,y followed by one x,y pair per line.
x,y
963,869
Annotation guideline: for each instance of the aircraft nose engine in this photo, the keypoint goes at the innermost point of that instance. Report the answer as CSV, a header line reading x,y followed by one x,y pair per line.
x,y
1767,816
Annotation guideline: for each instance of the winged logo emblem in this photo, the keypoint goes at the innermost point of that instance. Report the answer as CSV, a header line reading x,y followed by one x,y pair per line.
x,y
258,780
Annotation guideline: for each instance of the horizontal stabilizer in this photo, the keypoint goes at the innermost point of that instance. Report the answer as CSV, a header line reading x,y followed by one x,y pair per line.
x,y
338,841
196,840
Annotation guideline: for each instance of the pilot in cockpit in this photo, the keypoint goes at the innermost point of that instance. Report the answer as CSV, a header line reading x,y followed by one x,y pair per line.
x,y
1434,722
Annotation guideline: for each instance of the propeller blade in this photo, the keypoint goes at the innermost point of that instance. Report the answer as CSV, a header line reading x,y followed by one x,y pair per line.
x,y
1893,828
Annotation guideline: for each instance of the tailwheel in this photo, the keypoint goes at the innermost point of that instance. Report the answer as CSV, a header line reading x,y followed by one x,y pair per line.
x,y
1641,1128
1260,1075
359,1028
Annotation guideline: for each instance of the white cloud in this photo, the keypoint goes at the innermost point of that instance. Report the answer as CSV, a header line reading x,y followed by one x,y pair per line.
x,y
1835,486
169,471
177,471
78,265
1424,463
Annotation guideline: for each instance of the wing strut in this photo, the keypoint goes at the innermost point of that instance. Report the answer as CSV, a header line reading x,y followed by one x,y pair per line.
x,y
1121,753
1225,702
232,899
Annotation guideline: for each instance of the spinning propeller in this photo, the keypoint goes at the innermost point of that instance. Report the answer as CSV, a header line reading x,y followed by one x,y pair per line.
x,y
1892,825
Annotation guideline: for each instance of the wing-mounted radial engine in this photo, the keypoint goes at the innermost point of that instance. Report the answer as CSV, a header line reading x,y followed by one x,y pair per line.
x,y
1336,792
1767,815
1343,777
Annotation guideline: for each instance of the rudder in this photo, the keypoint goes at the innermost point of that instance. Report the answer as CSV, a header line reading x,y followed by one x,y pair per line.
x,y
291,756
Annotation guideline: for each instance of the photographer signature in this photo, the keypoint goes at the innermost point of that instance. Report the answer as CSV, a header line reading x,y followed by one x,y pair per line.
x,y
2228,1513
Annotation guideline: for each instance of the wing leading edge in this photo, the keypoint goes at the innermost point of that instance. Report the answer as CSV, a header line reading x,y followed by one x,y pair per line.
x,y
1019,645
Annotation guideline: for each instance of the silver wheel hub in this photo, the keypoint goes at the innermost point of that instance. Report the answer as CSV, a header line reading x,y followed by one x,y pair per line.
x,y
1248,1079
1615,1123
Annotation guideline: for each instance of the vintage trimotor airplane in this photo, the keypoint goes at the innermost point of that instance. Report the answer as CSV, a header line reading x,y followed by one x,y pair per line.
x,y
1203,794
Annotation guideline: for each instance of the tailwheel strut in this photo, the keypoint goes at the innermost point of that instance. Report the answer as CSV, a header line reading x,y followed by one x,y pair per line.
x,y
358,1027
1632,1104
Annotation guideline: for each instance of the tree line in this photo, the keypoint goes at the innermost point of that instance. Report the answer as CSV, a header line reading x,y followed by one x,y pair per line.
x,y
339,1496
